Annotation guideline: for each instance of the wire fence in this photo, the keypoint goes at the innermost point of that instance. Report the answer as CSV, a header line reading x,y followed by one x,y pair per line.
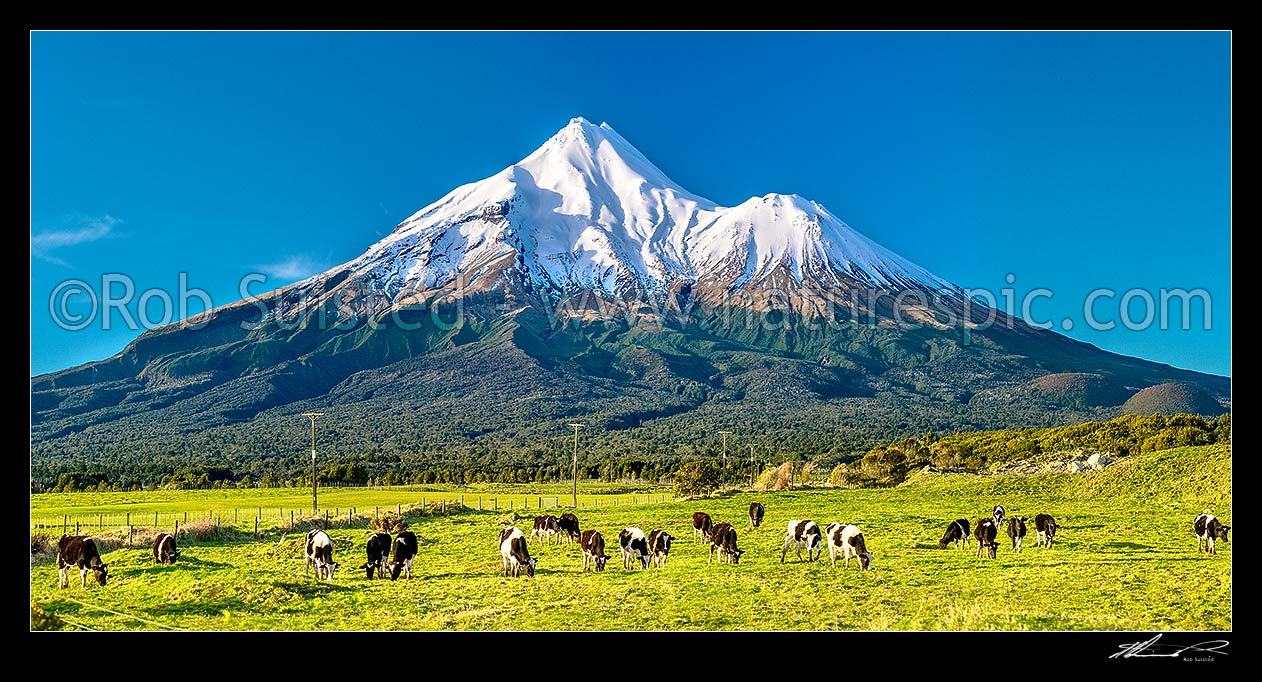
x,y
290,518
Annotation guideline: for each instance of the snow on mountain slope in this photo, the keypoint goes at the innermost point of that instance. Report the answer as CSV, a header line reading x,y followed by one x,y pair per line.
x,y
588,210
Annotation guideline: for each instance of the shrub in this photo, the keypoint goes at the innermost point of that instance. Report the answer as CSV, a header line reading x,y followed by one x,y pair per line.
x,y
389,522
696,478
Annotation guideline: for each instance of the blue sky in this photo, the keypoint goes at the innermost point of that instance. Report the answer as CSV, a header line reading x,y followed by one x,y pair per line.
x,y
1072,161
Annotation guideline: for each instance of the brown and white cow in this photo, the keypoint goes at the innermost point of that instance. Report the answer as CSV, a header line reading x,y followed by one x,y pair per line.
x,y
404,552
702,524
164,550
847,538
1016,532
635,548
985,533
723,541
546,528
378,549
79,551
957,532
515,554
1208,529
756,512
568,527
319,553
1045,529
659,547
593,544
803,535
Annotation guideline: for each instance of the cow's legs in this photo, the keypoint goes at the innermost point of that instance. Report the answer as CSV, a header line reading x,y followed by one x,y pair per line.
x,y
63,576
83,576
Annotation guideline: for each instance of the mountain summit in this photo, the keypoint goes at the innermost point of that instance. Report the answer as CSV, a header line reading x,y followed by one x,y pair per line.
x,y
587,210
470,331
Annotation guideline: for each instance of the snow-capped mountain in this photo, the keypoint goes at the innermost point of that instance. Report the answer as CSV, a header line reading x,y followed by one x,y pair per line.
x,y
452,345
587,210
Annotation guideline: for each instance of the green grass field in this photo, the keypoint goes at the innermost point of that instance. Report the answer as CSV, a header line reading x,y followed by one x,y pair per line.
x,y
1125,558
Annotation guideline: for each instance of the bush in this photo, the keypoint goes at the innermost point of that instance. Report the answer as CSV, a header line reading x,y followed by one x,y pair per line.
x,y
843,477
696,478
388,522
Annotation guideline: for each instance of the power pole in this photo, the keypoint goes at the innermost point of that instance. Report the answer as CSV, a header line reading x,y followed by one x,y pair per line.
x,y
574,498
724,434
312,416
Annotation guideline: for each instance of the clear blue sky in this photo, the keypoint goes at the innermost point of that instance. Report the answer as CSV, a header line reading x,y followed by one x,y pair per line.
x,y
1071,160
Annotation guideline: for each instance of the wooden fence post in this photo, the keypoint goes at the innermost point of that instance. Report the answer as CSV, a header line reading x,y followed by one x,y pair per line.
x,y
479,503
65,524
291,519
256,526
76,526
129,519
131,531
177,528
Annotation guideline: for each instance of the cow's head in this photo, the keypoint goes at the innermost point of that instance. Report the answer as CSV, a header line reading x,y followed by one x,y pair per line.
x,y
329,567
865,561
370,568
1221,532
600,562
991,549
530,566
175,555
736,555
942,544
102,572
395,568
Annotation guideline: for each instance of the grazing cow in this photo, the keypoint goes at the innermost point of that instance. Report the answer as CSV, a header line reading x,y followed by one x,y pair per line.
x,y
319,553
516,556
635,547
986,533
957,532
378,552
848,539
1045,529
568,525
723,539
80,551
756,511
164,550
405,548
1016,532
803,534
1208,529
997,515
546,527
701,526
593,544
659,547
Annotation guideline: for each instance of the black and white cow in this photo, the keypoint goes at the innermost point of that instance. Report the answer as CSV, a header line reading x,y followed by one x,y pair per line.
x,y
378,552
516,556
319,552
568,526
593,544
997,515
702,524
957,532
1044,529
803,535
635,547
723,540
756,512
79,551
848,539
986,533
404,553
164,549
1208,529
659,547
1016,532
546,527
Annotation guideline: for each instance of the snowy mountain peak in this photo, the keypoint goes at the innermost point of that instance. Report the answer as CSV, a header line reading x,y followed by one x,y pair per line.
x,y
587,210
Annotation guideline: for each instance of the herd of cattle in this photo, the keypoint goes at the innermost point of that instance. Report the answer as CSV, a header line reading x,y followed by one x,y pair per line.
x,y
394,556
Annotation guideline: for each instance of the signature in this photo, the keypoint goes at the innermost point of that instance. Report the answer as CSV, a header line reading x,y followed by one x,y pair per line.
x,y
1151,649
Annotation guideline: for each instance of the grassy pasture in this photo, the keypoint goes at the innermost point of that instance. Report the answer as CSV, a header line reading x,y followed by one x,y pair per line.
x,y
1125,558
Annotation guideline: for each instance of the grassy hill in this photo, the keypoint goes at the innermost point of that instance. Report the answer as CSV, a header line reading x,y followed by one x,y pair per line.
x,y
1125,559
